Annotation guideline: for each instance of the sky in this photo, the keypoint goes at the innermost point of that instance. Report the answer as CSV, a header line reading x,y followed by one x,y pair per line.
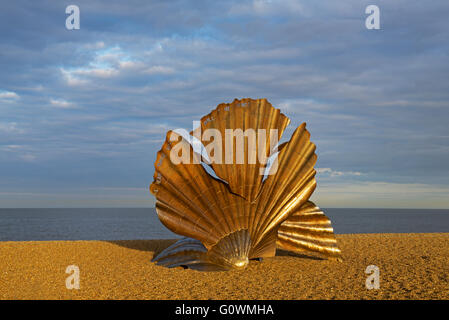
x,y
83,112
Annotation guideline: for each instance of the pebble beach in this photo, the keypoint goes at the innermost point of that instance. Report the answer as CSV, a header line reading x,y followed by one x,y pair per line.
x,y
411,266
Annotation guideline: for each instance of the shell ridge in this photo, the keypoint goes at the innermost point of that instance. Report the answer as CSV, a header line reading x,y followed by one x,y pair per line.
x,y
297,236
277,184
186,175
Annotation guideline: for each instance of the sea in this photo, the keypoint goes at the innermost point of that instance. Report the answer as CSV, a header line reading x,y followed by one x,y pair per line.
x,y
143,223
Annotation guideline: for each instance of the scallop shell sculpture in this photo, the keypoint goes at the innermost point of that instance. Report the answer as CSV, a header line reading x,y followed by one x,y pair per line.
x,y
244,208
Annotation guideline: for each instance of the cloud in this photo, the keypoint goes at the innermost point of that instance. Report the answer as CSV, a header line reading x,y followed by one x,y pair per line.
x,y
8,96
95,46
267,7
159,70
82,76
11,128
71,78
61,103
334,173
375,103
28,157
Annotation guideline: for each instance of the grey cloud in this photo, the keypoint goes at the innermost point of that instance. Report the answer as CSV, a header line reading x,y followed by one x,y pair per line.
x,y
95,103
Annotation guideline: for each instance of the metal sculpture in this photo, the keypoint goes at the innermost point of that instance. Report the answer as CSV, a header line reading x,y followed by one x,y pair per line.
x,y
236,205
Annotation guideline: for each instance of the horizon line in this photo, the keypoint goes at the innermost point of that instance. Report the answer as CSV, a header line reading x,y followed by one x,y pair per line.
x,y
386,208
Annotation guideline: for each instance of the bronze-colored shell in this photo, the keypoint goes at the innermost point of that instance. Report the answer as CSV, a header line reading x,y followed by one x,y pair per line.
x,y
244,179
241,215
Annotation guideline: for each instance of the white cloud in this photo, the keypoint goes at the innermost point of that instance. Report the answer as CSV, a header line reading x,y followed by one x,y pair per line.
x,y
106,64
10,127
71,79
96,45
8,96
81,76
267,7
335,173
10,148
61,103
130,64
159,70
96,72
18,152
